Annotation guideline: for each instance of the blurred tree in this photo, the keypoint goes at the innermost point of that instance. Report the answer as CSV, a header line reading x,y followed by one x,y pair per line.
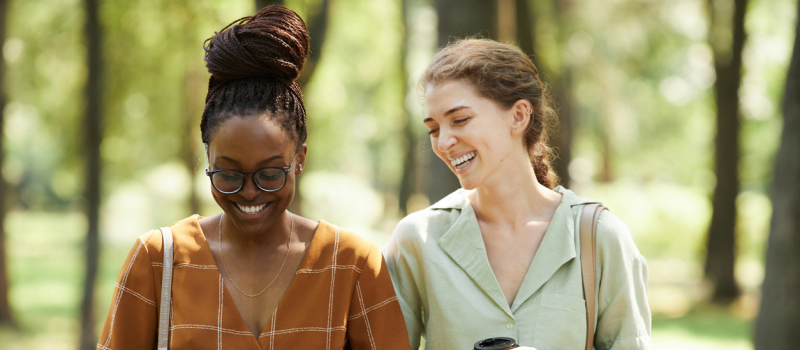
x,y
6,317
558,74
193,109
779,316
317,22
526,29
317,25
726,38
408,183
457,19
93,123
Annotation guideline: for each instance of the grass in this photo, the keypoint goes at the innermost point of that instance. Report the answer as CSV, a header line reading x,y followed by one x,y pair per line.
x,y
706,328
45,266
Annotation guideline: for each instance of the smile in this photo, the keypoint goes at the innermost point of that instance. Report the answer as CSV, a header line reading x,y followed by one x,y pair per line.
x,y
251,209
462,161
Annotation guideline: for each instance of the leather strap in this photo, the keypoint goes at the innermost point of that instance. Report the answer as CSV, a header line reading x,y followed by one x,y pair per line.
x,y
591,214
166,290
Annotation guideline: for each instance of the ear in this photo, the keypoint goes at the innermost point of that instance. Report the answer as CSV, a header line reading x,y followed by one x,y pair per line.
x,y
522,114
301,160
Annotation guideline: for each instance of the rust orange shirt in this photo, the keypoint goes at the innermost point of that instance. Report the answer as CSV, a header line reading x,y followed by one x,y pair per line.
x,y
341,297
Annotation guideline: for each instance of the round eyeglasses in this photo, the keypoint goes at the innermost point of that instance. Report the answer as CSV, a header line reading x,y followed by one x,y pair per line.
x,y
269,179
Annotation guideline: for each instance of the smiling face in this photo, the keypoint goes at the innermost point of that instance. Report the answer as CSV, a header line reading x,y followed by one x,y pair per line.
x,y
248,144
472,134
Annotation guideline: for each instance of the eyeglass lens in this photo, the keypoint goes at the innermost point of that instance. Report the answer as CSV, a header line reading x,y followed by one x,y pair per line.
x,y
268,179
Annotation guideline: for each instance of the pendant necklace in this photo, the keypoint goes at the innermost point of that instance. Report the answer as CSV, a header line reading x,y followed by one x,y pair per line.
x,y
219,245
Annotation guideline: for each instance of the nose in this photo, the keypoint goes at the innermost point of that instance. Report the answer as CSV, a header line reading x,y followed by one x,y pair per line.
x,y
249,189
446,140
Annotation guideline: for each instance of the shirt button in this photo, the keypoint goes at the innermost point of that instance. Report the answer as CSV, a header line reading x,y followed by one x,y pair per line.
x,y
510,326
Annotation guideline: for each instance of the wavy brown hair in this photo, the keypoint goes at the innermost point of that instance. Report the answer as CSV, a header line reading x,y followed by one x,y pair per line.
x,y
504,74
254,62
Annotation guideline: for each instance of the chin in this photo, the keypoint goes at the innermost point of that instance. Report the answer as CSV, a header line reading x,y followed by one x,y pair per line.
x,y
468,184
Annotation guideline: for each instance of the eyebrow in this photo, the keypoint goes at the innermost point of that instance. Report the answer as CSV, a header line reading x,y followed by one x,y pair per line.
x,y
449,112
261,162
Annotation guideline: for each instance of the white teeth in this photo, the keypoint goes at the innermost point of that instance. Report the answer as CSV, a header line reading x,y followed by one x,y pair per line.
x,y
460,162
247,209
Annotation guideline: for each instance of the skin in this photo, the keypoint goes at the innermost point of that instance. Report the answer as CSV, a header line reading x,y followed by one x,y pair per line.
x,y
513,209
254,245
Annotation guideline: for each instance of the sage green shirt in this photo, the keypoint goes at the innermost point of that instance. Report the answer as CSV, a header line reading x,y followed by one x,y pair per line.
x,y
450,296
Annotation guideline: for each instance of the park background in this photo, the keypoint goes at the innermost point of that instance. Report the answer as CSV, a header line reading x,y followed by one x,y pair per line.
x,y
670,113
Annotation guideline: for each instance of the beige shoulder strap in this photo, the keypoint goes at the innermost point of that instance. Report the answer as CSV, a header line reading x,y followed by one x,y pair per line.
x,y
166,290
591,214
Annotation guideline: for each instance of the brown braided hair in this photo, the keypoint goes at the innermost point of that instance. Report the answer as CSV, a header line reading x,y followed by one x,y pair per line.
x,y
504,74
254,62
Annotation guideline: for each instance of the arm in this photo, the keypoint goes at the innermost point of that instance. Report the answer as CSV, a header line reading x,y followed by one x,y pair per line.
x,y
623,311
132,318
375,321
401,261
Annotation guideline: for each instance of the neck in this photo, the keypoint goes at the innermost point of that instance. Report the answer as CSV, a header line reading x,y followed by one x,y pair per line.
x,y
276,235
513,196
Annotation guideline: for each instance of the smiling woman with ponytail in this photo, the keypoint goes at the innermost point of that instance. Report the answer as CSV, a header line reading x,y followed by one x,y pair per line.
x,y
501,257
255,276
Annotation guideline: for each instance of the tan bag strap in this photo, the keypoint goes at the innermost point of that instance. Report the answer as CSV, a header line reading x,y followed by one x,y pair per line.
x,y
166,290
591,214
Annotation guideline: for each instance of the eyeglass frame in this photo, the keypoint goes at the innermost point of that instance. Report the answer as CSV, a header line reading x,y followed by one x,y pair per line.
x,y
286,169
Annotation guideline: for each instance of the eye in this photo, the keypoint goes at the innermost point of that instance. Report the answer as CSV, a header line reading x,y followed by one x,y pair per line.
x,y
461,121
230,175
434,132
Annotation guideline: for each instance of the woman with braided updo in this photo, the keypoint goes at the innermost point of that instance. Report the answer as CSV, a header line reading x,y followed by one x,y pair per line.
x,y
256,276
501,256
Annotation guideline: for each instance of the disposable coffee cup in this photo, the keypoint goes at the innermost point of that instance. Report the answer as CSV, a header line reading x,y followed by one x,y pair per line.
x,y
499,343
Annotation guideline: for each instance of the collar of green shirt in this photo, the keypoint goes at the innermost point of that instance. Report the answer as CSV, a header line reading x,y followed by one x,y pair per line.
x,y
463,241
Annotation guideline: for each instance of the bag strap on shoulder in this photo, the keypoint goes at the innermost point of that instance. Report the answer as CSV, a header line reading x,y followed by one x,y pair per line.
x,y
166,290
588,230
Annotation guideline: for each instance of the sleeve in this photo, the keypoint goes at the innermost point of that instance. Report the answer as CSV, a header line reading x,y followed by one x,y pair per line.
x,y
401,260
376,321
623,311
132,319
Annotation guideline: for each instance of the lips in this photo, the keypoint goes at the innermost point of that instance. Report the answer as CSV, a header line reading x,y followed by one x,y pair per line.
x,y
251,209
462,161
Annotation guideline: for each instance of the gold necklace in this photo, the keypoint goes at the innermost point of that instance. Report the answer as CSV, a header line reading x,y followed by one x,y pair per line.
x,y
219,245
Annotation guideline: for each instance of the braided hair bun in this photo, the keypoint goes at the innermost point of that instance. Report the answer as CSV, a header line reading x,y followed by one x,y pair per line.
x,y
254,62
272,44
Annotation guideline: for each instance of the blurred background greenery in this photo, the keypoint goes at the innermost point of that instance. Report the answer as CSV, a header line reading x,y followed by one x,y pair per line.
x,y
634,81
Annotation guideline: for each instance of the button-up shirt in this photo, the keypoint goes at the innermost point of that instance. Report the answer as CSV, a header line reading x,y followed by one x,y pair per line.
x,y
449,294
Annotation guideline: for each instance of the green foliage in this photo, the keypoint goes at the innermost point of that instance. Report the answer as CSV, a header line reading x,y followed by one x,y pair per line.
x,y
642,82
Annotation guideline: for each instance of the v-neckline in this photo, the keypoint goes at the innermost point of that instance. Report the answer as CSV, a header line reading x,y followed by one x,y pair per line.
x,y
460,240
226,296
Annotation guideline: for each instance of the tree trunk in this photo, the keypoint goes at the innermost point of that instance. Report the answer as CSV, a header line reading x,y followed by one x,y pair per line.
x,y
94,134
526,29
317,25
6,317
561,89
193,105
457,19
408,183
779,317
721,244
317,28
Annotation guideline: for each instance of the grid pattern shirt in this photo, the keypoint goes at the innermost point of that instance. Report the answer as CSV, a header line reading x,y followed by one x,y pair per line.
x,y
340,298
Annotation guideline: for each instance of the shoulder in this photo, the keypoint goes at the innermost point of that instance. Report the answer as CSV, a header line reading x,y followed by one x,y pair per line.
x,y
614,237
187,237
433,221
349,247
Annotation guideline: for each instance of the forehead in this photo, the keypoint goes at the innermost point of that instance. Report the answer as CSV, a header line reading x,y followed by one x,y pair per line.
x,y
251,138
443,97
